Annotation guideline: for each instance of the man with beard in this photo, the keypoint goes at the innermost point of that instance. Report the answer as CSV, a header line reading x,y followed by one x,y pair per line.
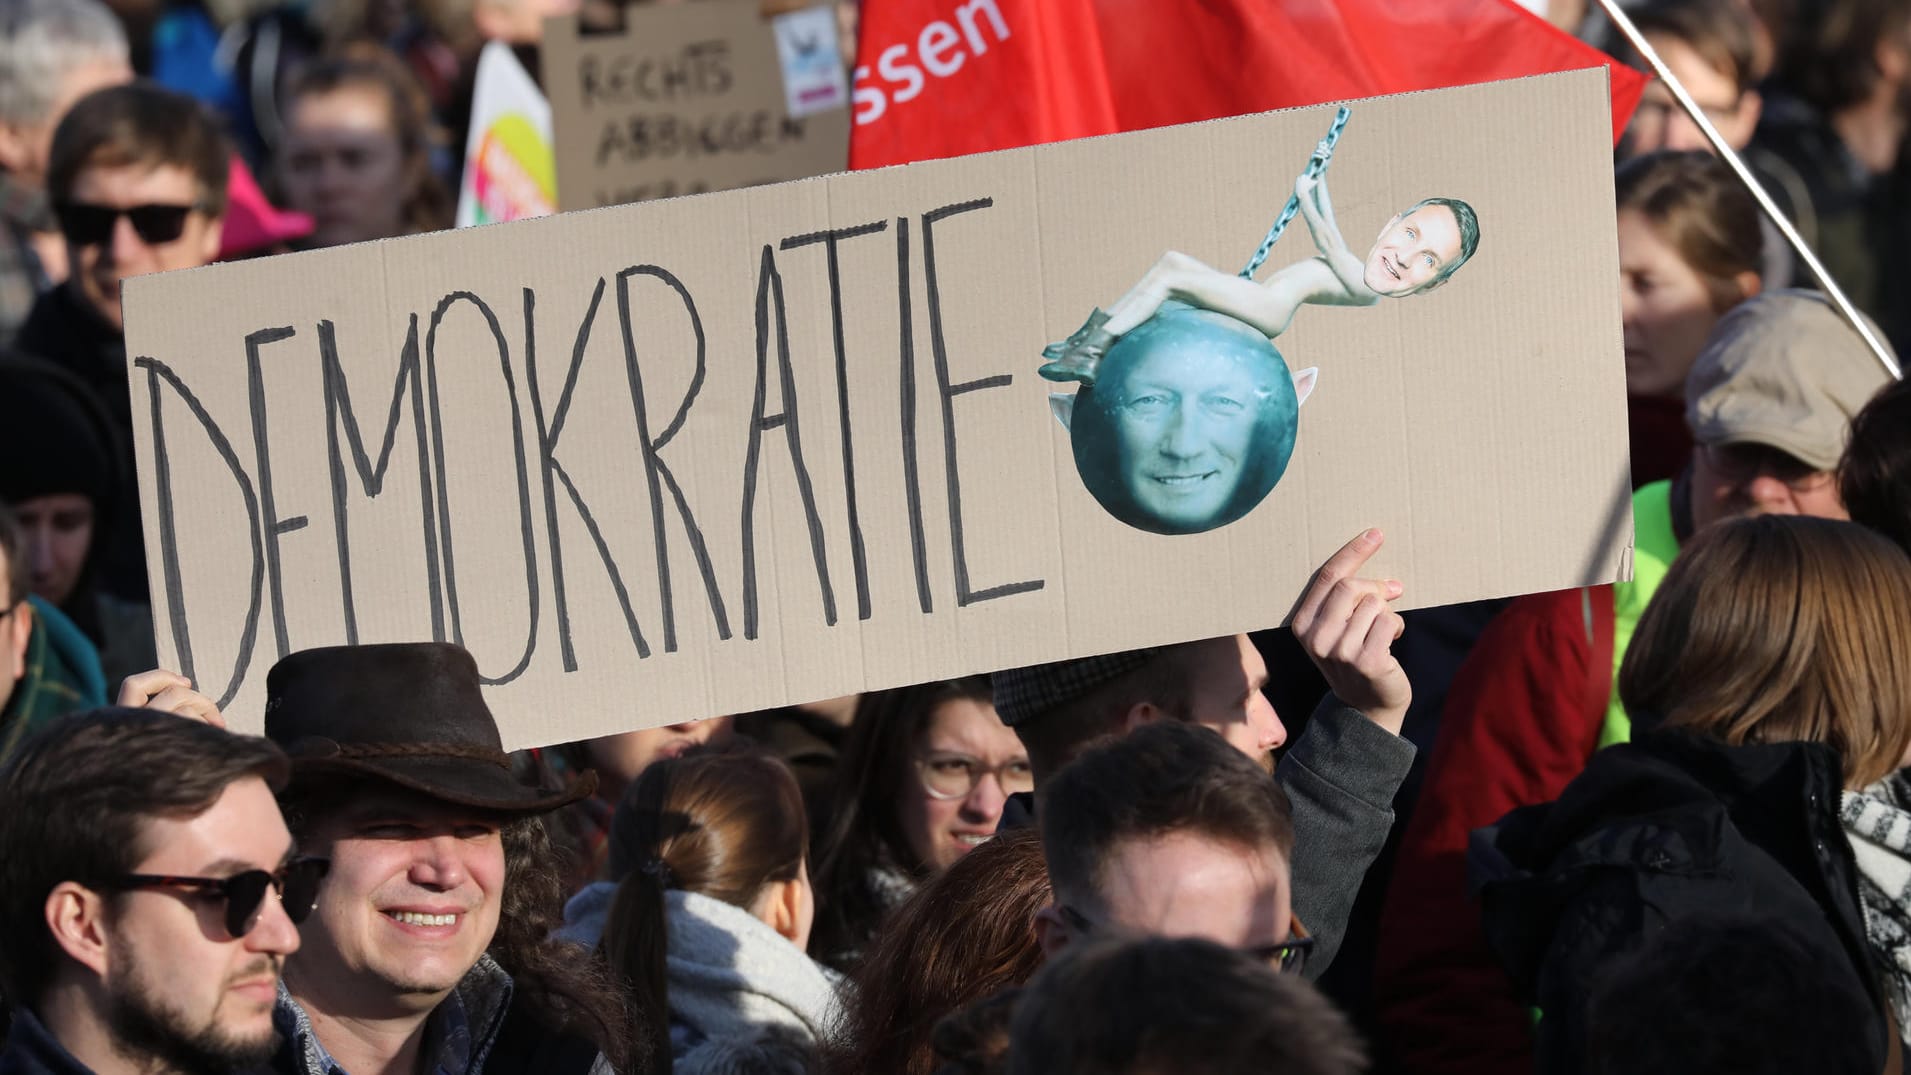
x,y
149,896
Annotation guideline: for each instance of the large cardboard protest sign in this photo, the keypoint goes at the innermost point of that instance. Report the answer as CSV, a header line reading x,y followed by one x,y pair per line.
x,y
689,98
710,454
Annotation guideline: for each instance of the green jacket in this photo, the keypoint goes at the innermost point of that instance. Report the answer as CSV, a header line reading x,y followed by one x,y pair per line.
x,y
1655,546
62,676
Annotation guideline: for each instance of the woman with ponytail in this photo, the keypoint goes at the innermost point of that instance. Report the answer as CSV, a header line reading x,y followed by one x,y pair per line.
x,y
707,917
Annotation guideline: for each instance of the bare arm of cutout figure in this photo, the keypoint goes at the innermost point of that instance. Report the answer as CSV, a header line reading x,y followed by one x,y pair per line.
x,y
1349,271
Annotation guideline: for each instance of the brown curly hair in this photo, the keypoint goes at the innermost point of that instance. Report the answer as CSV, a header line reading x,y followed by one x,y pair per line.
x,y
563,989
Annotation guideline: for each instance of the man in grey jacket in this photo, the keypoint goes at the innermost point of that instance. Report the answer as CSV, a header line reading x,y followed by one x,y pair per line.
x,y
1340,775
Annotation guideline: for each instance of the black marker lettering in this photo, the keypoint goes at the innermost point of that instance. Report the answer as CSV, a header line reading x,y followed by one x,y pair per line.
x,y
157,371
587,80
655,469
547,458
371,477
964,595
770,288
911,470
274,526
517,450
829,239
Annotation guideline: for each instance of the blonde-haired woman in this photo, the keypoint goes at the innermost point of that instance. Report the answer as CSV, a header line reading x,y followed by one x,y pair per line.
x,y
1769,678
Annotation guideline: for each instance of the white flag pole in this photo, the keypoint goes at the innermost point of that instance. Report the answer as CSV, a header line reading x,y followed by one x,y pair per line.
x,y
1731,157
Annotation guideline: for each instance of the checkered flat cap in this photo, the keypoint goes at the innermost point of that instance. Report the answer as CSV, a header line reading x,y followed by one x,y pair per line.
x,y
1023,695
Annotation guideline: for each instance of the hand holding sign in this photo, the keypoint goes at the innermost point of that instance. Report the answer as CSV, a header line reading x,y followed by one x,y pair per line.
x,y
1345,625
168,692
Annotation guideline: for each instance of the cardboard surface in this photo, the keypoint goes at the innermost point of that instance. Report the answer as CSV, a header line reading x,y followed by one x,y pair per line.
x,y
689,98
616,464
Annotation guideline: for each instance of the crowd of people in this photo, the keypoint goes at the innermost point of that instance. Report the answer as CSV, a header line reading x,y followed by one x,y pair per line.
x,y
1662,825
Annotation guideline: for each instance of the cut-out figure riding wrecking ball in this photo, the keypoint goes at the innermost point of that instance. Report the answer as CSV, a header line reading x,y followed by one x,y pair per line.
x,y
1186,414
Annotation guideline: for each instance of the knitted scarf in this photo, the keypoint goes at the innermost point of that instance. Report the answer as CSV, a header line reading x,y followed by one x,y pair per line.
x,y
1878,824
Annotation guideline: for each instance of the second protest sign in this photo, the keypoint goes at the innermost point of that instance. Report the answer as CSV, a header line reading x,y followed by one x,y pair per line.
x,y
689,98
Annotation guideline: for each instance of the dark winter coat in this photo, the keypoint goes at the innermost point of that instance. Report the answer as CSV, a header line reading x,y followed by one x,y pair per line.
x,y
1667,827
32,1050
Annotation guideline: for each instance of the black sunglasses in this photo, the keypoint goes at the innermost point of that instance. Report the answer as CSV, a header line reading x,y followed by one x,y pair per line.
x,y
1288,956
244,893
84,224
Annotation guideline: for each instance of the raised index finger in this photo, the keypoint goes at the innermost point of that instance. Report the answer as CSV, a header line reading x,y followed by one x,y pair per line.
x,y
1350,558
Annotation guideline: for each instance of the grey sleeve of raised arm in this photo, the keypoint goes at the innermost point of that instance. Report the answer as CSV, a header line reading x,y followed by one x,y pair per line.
x,y
1340,776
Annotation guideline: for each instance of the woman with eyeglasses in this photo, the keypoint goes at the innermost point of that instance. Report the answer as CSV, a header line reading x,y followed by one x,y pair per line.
x,y
922,781
1770,686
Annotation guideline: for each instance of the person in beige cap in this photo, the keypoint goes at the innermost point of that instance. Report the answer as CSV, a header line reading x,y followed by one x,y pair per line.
x,y
1770,401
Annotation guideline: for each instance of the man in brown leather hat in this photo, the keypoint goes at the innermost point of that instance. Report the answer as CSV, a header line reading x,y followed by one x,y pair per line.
x,y
427,951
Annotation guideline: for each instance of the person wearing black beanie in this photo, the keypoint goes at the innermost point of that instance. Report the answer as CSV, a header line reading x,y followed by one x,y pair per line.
x,y
62,472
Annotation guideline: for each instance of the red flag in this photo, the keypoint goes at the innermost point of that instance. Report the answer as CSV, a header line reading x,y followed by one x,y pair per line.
x,y
939,78
1058,69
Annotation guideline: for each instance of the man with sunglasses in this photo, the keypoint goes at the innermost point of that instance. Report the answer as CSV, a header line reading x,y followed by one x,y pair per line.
x,y
137,179
149,896
1170,831
1769,401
